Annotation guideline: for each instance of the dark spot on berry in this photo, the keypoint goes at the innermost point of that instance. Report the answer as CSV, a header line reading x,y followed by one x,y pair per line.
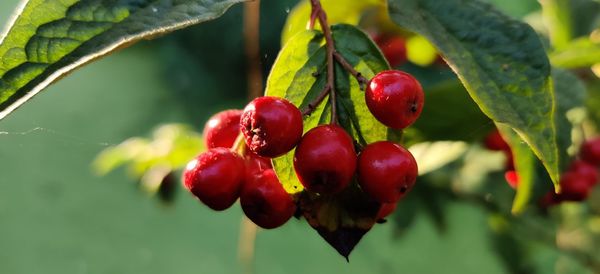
x,y
403,189
413,107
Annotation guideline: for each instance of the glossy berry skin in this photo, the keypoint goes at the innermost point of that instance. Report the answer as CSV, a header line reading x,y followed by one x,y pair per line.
x,y
325,159
574,186
586,170
265,202
395,98
222,129
385,210
271,126
590,151
215,177
386,171
394,50
256,164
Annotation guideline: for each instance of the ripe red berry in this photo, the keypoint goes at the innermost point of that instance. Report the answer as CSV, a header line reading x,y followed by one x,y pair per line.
x,y
394,50
222,129
585,170
574,186
386,171
272,126
512,178
385,210
590,151
395,98
325,159
215,177
495,141
265,201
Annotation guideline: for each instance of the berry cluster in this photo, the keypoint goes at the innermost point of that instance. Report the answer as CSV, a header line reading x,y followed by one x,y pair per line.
x,y
580,178
576,182
325,159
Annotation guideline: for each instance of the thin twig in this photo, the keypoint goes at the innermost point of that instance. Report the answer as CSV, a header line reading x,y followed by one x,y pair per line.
x,y
313,105
246,243
252,48
362,81
248,229
317,9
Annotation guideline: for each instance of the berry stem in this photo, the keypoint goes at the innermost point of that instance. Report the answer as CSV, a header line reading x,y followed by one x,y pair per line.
x,y
362,81
313,105
321,16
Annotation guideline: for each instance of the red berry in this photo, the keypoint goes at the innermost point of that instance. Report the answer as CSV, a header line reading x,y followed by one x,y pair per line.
x,y
395,98
215,177
325,159
385,210
512,178
222,129
265,201
386,171
574,186
495,141
272,126
394,50
590,151
585,170
550,199
256,164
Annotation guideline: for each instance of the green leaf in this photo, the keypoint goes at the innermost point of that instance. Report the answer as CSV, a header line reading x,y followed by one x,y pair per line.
x,y
171,147
338,11
50,38
503,65
582,52
439,120
292,77
570,97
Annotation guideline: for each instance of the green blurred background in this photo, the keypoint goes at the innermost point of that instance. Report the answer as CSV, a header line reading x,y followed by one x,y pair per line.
x,y
56,216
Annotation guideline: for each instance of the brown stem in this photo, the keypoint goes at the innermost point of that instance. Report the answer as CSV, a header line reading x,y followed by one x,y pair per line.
x,y
313,105
362,81
252,48
248,229
317,9
246,243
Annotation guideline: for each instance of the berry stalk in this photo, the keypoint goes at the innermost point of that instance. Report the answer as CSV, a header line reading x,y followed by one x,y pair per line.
x,y
321,16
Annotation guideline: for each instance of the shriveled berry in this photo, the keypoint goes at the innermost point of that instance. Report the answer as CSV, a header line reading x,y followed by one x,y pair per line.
x,y
386,171
325,159
394,50
271,126
265,202
590,151
215,177
222,129
512,178
395,98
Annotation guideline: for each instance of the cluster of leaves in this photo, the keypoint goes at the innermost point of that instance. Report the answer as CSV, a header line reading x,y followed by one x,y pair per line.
x,y
506,74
